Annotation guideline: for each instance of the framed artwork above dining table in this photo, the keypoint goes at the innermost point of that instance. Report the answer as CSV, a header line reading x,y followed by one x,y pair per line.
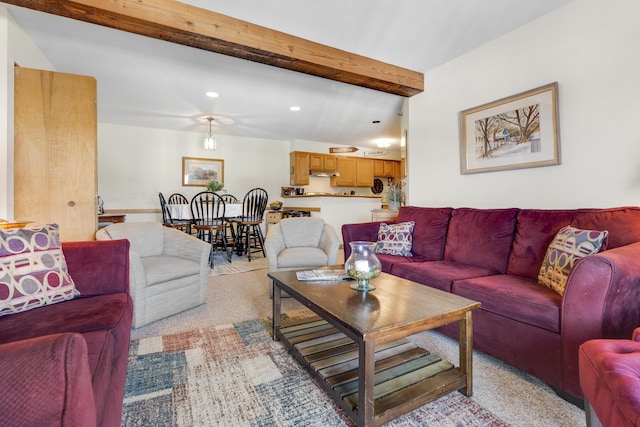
x,y
198,171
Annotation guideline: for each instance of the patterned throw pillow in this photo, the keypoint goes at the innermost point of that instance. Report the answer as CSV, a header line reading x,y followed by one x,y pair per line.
x,y
568,246
33,270
395,239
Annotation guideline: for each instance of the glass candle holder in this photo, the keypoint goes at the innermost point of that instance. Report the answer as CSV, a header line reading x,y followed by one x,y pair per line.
x,y
363,265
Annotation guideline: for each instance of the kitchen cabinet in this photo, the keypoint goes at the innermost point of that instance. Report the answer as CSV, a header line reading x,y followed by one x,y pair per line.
x,y
386,168
322,162
397,170
298,168
378,167
364,172
56,151
346,167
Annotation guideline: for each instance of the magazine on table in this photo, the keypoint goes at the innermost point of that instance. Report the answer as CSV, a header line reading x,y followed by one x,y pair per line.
x,y
316,275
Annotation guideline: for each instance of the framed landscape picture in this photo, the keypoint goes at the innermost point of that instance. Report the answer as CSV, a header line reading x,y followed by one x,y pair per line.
x,y
197,172
520,131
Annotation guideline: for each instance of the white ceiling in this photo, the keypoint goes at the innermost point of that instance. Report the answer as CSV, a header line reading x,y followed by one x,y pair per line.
x,y
150,83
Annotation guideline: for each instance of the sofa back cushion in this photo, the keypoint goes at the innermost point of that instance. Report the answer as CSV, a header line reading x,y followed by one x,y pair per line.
x,y
429,231
146,238
623,224
535,229
481,237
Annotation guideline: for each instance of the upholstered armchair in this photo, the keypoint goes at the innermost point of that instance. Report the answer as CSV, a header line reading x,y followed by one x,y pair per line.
x,y
169,269
297,243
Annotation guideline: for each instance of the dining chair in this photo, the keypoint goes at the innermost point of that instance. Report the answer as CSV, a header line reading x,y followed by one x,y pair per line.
x,y
178,199
231,235
168,221
248,232
207,211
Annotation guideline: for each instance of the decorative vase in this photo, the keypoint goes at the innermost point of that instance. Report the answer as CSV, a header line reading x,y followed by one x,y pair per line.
x,y
393,205
363,265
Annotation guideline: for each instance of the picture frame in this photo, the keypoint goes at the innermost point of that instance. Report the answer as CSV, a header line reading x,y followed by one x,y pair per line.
x,y
198,171
520,131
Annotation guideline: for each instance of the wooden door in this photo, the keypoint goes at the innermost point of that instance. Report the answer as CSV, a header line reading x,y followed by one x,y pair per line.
x,y
55,157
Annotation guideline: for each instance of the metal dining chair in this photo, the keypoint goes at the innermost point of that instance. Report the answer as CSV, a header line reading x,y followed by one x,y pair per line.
x,y
168,221
207,211
248,232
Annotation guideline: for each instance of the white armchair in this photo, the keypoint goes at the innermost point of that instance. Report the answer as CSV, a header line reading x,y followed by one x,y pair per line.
x,y
169,269
302,242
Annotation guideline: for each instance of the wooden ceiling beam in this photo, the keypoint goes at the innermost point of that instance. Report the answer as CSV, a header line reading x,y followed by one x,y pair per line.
x,y
188,25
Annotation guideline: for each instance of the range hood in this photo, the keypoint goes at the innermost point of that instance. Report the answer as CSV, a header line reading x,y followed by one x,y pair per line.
x,y
324,174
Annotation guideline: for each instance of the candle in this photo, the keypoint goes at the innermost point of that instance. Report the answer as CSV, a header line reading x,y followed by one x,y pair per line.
x,y
361,265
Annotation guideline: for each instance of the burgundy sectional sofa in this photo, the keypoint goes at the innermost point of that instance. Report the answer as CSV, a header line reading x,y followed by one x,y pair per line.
x,y
493,256
65,364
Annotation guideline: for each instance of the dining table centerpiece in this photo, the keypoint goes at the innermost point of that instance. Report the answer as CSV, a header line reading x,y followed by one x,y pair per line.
x,y
214,186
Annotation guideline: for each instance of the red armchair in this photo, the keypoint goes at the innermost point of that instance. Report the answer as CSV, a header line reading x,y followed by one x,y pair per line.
x,y
610,380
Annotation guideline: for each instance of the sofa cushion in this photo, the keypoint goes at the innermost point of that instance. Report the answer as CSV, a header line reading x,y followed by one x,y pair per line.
x,y
567,247
623,224
514,297
33,270
481,237
395,239
429,231
300,232
388,261
535,229
438,274
77,315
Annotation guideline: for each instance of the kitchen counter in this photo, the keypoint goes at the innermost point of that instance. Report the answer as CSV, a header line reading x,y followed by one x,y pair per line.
x,y
335,209
372,196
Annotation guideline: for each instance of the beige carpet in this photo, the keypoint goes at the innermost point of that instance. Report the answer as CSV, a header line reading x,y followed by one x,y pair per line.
x,y
517,398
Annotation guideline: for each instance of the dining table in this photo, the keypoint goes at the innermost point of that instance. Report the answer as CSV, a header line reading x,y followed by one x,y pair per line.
x,y
183,212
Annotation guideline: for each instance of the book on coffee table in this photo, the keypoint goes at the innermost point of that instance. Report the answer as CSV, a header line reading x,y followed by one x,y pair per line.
x,y
320,275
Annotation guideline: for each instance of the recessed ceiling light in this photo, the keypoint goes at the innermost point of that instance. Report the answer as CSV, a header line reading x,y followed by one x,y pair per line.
x,y
212,94
294,108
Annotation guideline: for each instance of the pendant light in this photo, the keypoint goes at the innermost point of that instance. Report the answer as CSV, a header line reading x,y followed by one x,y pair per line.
x,y
210,142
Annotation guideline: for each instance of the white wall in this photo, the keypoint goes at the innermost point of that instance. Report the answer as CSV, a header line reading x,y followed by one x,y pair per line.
x,y
590,48
15,48
134,164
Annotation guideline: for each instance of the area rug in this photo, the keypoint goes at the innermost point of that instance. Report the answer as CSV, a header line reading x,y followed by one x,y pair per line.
x,y
236,375
238,264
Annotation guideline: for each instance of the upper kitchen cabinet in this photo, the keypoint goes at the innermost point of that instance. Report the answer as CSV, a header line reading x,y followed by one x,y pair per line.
x,y
299,168
346,168
364,172
322,162
386,168
353,172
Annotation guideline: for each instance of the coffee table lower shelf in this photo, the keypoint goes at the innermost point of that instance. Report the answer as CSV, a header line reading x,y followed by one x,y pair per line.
x,y
406,376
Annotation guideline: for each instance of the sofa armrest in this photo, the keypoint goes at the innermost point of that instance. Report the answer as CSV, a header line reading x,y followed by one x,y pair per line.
x,y
366,231
46,381
273,245
98,267
180,244
330,243
600,301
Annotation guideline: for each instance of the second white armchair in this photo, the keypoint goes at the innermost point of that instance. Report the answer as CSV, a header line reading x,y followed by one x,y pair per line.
x,y
298,243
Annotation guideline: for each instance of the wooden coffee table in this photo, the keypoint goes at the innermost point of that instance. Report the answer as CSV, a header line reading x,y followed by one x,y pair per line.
x,y
356,332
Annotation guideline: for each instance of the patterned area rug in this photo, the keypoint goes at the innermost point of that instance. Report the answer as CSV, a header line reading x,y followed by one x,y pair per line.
x,y
236,375
238,264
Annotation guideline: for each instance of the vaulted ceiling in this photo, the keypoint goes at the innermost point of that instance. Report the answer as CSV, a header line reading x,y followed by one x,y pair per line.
x,y
148,82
